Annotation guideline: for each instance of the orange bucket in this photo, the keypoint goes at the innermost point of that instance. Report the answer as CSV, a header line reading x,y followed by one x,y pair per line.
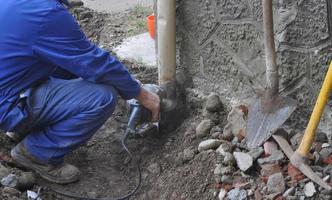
x,y
150,20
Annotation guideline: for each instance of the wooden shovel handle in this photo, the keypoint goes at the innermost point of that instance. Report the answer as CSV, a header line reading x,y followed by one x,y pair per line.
x,y
310,132
272,77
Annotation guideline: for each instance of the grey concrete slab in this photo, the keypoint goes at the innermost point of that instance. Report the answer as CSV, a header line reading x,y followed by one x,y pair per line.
x,y
113,6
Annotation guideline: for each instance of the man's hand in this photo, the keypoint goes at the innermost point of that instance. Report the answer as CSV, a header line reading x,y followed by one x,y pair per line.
x,y
151,101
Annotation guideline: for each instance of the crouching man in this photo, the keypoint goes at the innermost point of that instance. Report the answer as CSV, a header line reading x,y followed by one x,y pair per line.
x,y
56,87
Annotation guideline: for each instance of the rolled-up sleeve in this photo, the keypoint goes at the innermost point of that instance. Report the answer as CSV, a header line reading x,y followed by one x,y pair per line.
x,y
62,43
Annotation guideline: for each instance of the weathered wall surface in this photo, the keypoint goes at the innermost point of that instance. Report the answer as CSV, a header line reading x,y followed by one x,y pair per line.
x,y
221,47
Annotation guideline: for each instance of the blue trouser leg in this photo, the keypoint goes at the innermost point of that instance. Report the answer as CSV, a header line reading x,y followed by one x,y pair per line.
x,y
64,114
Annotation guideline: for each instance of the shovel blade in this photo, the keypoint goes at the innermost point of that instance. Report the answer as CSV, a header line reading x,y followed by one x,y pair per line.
x,y
265,117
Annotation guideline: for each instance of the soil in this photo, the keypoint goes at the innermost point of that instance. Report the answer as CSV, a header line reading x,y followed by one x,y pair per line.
x,y
106,168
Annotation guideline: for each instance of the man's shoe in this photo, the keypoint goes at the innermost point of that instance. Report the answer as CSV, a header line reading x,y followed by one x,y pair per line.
x,y
62,174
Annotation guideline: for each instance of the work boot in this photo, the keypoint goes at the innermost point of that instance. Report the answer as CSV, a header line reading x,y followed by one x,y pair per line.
x,y
61,174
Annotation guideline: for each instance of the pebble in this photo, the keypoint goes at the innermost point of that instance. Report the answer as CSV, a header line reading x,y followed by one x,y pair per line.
x,y
309,189
222,194
203,129
228,136
209,144
276,183
10,181
243,160
326,178
325,152
188,155
216,135
289,192
223,148
229,159
215,129
154,168
256,153
221,170
213,103
26,180
237,194
325,145
250,192
269,147
276,156
213,116
226,179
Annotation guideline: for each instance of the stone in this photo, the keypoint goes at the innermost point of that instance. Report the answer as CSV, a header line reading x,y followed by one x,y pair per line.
x,y
237,194
226,179
222,194
256,153
154,168
325,152
213,116
325,145
215,129
188,155
269,147
276,183
228,136
236,122
203,129
209,144
309,189
213,103
321,137
26,180
243,160
289,192
223,148
250,193
270,169
3,171
274,157
216,135
229,159
221,170
10,181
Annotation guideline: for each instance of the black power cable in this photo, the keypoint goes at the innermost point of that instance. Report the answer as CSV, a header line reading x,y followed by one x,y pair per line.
x,y
124,197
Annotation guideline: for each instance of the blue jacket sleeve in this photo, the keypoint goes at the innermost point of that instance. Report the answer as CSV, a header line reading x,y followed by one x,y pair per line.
x,y
62,43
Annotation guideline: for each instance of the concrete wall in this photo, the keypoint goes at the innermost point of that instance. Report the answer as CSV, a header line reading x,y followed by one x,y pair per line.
x,y
221,47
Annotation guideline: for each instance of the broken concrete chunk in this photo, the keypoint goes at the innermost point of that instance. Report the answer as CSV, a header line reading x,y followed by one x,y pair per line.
x,y
203,129
270,169
243,160
209,144
236,122
222,194
237,194
309,189
213,103
276,183
276,156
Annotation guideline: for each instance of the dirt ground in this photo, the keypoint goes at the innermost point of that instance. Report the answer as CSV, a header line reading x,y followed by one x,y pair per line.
x,y
106,168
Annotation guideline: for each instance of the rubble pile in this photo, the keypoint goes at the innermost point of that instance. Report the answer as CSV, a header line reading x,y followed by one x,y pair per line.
x,y
262,173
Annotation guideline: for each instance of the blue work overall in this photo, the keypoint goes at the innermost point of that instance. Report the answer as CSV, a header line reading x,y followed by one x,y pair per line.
x,y
42,49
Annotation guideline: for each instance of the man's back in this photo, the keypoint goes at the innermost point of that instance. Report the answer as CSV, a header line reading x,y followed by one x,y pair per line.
x,y
20,23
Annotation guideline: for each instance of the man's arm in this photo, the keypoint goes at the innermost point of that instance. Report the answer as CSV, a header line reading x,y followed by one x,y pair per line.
x,y
62,43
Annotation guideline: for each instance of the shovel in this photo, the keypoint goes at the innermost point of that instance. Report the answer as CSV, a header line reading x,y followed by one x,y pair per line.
x,y
298,157
270,110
